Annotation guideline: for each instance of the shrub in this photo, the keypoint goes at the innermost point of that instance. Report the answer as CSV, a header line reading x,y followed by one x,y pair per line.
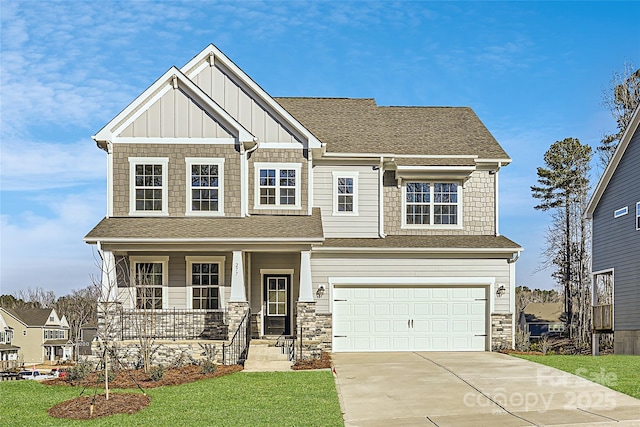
x,y
112,376
79,371
208,366
156,373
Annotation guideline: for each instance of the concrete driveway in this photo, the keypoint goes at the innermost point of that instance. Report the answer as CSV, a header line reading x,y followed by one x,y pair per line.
x,y
471,389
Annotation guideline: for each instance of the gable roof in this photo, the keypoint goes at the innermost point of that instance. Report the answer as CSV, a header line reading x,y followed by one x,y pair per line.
x,y
613,163
543,312
214,54
176,78
349,125
30,316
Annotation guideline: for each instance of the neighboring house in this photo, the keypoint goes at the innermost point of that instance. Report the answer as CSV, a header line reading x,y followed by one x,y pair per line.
x,y
8,351
542,319
40,333
614,210
355,226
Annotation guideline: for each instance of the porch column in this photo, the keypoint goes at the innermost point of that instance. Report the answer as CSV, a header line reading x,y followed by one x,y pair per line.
x,y
306,287
108,280
238,293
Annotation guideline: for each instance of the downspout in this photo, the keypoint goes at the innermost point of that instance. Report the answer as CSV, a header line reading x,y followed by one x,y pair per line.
x,y
244,172
512,295
496,192
381,198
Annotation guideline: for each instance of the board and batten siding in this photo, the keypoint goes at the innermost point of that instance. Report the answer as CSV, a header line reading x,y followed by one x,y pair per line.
x,y
175,115
616,242
326,266
241,105
365,223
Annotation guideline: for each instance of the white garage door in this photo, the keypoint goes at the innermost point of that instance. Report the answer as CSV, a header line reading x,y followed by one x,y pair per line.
x,y
380,318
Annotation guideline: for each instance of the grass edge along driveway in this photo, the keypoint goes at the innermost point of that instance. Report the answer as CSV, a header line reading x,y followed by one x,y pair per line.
x,y
303,398
617,372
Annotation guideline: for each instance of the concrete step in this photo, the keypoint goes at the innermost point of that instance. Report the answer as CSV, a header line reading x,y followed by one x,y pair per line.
x,y
265,358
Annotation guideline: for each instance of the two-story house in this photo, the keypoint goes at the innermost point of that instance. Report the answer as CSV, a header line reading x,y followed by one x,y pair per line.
x,y
614,209
352,225
41,334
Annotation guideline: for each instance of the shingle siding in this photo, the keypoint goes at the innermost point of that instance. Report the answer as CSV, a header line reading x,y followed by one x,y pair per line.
x,y
478,208
616,242
176,174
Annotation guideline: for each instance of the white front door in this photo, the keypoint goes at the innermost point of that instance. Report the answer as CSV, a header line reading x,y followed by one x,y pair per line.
x,y
387,318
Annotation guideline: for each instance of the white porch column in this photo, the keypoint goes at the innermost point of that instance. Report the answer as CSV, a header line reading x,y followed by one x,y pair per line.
x,y
306,287
108,281
238,293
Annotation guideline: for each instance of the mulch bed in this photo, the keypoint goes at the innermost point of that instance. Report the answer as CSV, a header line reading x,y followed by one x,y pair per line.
x,y
118,403
322,363
133,378
126,403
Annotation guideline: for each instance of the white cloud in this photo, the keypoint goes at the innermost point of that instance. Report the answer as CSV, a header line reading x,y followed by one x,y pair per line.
x,y
45,165
48,252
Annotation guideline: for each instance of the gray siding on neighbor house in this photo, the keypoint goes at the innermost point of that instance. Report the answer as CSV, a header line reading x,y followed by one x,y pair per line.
x,y
616,242
365,223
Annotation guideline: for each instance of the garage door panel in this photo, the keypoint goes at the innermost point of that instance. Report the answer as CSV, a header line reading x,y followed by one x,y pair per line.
x,y
409,318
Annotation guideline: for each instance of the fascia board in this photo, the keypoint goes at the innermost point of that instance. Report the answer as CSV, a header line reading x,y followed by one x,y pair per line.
x,y
276,240
313,142
613,164
418,250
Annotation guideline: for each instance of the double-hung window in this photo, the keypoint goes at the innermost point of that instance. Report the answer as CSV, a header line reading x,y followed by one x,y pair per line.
x,y
205,277
277,185
150,282
345,193
148,186
205,186
433,204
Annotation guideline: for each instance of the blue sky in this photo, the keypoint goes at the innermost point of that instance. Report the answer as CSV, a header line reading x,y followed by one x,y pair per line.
x,y
534,72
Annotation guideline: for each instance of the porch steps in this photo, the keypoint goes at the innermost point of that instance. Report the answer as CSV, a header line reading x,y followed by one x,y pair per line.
x,y
264,357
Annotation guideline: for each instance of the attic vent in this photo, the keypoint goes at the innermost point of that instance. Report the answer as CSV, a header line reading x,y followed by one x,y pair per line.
x,y
51,319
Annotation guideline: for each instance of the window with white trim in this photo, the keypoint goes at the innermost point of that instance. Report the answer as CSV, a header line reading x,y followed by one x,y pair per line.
x,y
205,186
277,185
345,193
434,204
148,186
638,216
150,280
205,277
621,212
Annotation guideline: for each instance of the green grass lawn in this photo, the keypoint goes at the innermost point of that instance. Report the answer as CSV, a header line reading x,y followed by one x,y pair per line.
x,y
618,372
305,398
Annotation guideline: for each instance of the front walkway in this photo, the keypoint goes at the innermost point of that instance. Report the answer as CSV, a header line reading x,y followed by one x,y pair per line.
x,y
471,389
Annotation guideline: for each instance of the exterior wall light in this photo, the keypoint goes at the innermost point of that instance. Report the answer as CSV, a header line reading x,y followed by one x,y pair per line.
x,y
320,291
500,291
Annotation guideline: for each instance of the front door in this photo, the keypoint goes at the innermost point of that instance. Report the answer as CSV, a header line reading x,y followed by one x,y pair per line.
x,y
277,314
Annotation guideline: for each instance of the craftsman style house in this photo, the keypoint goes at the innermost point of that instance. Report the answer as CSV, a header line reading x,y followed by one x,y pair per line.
x,y
8,351
350,225
40,334
614,210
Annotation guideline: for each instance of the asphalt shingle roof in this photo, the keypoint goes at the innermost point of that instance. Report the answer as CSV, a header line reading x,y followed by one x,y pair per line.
x,y
350,125
253,227
31,316
430,242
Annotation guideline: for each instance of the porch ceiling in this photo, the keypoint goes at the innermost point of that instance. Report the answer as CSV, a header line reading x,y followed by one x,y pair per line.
x,y
295,228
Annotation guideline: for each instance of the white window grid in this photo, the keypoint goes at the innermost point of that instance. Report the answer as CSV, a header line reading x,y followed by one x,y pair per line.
x,y
429,204
345,193
277,185
205,186
148,186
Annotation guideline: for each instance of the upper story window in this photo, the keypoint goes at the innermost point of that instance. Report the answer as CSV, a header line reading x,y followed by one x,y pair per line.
x,y
205,186
148,186
621,212
205,276
432,204
277,185
150,282
638,216
345,193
